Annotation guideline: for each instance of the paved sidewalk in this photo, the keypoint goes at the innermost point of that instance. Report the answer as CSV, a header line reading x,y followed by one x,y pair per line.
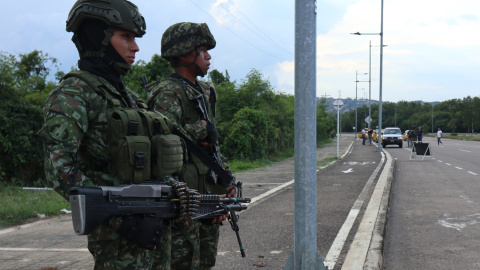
x,y
52,244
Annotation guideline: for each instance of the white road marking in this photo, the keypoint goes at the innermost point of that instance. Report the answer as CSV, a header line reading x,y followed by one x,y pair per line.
x,y
353,163
466,198
337,245
464,150
363,237
440,161
448,164
472,173
461,222
459,168
350,170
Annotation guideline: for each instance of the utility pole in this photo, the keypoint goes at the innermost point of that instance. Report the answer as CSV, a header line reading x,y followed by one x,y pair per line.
x,y
305,254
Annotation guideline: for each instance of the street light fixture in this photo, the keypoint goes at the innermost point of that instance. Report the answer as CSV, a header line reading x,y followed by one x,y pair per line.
x,y
381,73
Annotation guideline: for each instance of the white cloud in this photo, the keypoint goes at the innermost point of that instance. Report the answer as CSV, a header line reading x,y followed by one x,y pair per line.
x,y
285,76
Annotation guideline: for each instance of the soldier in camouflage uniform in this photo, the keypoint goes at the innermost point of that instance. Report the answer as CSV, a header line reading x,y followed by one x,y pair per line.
x,y
186,46
75,127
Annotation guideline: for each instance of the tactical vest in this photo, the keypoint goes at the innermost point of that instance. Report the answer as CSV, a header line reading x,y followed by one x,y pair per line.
x,y
140,144
190,114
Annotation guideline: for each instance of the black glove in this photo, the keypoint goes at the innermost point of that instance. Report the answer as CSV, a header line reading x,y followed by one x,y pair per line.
x,y
212,134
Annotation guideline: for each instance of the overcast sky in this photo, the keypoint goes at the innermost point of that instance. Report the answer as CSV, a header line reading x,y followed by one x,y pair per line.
x,y
433,51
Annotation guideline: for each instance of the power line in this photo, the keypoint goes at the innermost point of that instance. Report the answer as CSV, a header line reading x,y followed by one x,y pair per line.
x,y
245,40
263,35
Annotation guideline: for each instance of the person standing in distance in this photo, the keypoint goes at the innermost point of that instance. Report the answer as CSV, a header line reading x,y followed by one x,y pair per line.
x,y
363,136
420,134
370,134
190,105
75,122
439,136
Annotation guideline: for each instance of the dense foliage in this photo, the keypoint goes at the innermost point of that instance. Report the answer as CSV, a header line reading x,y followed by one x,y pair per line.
x,y
452,116
23,87
254,121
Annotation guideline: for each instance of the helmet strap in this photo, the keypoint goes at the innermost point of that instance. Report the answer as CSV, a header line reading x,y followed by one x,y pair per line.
x,y
120,68
194,63
101,53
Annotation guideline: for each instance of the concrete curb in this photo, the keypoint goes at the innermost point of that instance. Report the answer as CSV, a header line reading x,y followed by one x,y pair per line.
x,y
367,244
374,258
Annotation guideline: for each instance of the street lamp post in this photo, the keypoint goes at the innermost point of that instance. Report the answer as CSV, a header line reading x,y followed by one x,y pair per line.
x,y
381,74
395,114
338,104
356,99
370,84
432,117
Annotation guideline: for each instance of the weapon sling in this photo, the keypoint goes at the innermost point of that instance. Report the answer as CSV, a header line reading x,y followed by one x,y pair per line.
x,y
224,177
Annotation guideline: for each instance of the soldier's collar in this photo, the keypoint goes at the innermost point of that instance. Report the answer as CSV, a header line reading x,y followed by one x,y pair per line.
x,y
185,81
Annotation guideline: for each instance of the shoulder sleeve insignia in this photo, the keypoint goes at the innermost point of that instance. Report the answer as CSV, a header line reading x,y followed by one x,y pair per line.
x,y
61,128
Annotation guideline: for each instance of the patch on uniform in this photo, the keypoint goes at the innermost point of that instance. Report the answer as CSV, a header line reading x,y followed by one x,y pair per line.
x,y
76,115
72,91
61,128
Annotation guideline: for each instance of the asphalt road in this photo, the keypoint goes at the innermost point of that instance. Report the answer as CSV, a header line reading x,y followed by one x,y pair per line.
x,y
434,215
267,228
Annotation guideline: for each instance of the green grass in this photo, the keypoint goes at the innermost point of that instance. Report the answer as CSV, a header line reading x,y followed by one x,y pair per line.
x,y
19,205
325,161
244,165
456,136
463,137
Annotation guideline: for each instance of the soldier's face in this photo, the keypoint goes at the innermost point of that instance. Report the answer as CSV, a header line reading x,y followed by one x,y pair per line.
x,y
125,44
203,59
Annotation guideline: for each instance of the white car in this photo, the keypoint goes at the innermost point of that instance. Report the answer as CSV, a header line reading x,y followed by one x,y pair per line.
x,y
392,135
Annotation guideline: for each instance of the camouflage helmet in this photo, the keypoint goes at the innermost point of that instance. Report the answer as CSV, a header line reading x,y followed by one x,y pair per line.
x,y
182,38
115,13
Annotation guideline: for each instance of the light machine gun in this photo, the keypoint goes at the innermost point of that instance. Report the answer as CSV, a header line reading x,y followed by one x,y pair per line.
x,y
92,206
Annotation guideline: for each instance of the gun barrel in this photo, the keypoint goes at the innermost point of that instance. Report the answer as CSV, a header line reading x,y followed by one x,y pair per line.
x,y
235,200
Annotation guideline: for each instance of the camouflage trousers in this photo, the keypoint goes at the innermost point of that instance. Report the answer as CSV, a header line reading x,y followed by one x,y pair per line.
x,y
194,246
112,251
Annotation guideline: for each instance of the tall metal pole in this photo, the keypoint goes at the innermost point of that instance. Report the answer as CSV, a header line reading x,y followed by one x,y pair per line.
x,y
356,99
395,114
370,85
432,117
305,254
356,105
338,133
381,82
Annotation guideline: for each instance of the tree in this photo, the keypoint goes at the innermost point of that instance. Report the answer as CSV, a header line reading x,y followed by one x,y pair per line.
x,y
326,122
249,135
32,69
217,77
155,70
23,84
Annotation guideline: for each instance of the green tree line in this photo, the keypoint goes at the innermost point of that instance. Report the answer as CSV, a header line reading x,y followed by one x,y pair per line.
x,y
453,116
254,121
